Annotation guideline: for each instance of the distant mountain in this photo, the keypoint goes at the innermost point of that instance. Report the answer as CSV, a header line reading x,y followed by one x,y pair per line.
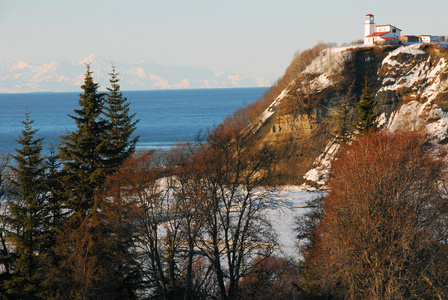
x,y
63,76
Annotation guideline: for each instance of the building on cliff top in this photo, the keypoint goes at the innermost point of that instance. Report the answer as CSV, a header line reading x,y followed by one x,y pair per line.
x,y
384,34
410,39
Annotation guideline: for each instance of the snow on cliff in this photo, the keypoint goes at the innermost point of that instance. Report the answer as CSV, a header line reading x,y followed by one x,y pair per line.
x,y
319,174
329,63
421,76
409,72
426,80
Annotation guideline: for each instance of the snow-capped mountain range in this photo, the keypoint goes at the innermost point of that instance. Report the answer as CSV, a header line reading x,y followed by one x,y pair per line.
x,y
64,76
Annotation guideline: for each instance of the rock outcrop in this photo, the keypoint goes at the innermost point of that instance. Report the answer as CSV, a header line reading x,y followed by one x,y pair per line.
x,y
410,84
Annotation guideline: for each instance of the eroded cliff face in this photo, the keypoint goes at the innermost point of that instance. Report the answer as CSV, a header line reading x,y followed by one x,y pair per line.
x,y
410,84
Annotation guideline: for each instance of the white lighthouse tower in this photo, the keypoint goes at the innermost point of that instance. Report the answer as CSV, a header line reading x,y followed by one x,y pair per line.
x,y
369,27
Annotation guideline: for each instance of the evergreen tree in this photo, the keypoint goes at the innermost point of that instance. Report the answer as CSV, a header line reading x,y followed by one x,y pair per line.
x,y
27,212
366,111
83,151
54,200
88,250
54,186
343,128
120,125
53,221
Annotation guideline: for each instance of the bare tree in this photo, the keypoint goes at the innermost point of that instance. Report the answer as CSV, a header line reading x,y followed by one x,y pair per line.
x,y
155,238
165,213
192,211
235,229
200,214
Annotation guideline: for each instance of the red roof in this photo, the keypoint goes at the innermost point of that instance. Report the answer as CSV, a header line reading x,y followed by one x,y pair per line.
x,y
380,33
369,15
388,39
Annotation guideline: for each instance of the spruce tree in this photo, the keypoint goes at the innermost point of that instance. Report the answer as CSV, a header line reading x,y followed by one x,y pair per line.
x,y
366,111
54,186
83,151
87,248
120,125
54,200
343,128
27,213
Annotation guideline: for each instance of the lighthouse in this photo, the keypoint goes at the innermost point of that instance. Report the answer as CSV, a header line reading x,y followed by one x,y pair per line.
x,y
369,27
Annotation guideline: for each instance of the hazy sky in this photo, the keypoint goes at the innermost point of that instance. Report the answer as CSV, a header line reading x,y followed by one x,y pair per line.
x,y
257,38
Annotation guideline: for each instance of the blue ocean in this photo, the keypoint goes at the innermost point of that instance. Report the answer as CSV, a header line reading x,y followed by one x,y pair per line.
x,y
166,116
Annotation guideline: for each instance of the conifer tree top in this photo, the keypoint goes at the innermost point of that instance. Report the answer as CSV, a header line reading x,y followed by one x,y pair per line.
x,y
366,110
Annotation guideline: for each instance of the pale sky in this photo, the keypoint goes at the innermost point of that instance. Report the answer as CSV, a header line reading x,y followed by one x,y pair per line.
x,y
256,38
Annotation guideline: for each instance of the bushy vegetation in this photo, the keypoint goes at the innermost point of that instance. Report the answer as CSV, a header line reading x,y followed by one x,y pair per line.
x,y
380,232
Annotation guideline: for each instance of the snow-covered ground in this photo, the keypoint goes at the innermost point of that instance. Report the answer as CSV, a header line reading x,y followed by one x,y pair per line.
x,y
294,199
286,204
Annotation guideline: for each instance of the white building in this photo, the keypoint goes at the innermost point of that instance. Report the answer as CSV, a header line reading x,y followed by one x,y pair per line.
x,y
384,34
429,38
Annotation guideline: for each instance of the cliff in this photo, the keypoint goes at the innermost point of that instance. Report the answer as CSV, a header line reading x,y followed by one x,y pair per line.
x,y
410,84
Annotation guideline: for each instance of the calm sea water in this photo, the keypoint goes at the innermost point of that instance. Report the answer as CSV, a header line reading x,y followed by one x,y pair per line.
x,y
166,116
